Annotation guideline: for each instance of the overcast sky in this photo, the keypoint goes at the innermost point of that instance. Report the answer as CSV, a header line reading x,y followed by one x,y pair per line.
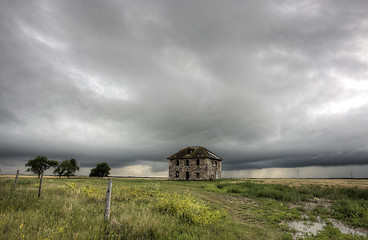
x,y
263,84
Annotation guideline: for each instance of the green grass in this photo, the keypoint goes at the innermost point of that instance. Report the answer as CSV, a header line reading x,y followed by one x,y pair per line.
x,y
350,203
161,209
354,212
74,209
292,194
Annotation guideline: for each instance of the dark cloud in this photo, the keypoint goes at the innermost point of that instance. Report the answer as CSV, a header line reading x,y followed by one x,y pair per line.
x,y
262,84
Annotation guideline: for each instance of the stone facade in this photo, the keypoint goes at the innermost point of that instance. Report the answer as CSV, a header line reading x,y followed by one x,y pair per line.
x,y
195,163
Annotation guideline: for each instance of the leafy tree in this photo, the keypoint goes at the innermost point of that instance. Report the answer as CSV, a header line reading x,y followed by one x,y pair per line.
x,y
67,168
101,170
40,164
72,167
60,169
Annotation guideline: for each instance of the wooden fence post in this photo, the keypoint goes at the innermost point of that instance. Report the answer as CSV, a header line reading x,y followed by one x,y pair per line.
x,y
108,199
39,189
16,179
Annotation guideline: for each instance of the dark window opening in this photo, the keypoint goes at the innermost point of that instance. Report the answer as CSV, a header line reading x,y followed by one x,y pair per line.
x,y
177,174
177,162
197,161
187,176
197,175
216,163
187,162
190,151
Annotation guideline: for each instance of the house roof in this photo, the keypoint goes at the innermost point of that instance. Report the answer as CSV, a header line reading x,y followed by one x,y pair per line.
x,y
194,152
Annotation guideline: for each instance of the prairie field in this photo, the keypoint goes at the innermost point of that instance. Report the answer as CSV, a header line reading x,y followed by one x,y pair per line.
x,y
162,209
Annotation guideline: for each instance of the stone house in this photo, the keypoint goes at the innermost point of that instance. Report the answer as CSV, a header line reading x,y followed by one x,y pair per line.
x,y
194,163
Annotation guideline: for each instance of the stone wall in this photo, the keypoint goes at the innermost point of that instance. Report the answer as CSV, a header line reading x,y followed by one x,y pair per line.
x,y
214,169
207,169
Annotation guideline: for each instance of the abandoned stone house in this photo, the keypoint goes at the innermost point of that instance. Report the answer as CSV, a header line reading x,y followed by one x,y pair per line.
x,y
194,163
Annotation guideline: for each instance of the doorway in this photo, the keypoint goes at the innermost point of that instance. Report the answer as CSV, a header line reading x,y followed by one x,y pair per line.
x,y
187,176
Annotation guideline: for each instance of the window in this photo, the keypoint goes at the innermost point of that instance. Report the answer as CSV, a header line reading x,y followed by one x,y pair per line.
x,y
197,162
187,162
216,163
197,174
190,151
177,174
177,162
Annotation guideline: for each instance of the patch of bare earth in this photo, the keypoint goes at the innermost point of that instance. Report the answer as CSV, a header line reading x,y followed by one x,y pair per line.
x,y
326,203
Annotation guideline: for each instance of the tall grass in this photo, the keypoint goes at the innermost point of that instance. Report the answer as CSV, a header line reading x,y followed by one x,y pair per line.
x,y
156,209
355,212
74,209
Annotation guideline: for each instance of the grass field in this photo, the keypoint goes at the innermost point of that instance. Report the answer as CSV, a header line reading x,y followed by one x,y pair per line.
x,y
161,209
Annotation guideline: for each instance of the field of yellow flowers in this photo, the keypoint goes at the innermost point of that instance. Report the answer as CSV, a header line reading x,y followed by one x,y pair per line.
x,y
143,209
74,209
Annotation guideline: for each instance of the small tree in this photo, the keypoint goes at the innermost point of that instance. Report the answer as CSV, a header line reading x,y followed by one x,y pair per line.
x,y
101,170
40,164
67,168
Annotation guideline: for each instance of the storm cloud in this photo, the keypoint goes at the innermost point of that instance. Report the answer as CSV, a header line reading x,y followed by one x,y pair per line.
x,y
263,84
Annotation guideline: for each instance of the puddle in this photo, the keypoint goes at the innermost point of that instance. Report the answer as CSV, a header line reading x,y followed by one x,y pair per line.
x,y
314,228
